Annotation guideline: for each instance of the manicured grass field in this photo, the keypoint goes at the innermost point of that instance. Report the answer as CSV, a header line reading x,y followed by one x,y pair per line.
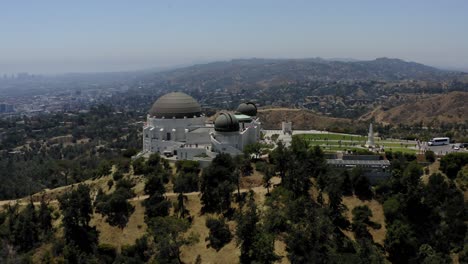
x,y
331,142
332,137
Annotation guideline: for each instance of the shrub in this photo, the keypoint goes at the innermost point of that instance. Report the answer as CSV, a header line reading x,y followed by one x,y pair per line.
x,y
117,176
430,156
107,253
219,234
186,182
110,183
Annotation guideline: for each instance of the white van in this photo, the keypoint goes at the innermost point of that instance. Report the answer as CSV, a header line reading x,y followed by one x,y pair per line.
x,y
439,141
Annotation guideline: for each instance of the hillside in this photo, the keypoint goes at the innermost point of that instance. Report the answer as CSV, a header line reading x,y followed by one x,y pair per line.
x,y
332,209
430,110
247,72
301,119
137,228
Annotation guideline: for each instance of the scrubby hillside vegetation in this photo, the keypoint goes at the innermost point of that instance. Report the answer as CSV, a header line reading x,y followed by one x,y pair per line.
x,y
302,212
432,110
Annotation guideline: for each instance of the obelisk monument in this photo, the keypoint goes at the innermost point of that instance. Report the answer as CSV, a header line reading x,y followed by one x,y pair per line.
x,y
370,137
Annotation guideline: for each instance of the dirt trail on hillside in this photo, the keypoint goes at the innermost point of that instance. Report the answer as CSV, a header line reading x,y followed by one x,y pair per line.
x,y
24,200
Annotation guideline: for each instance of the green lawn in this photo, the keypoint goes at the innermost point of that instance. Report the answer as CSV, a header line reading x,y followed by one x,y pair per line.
x,y
336,142
394,145
404,150
332,137
337,148
330,142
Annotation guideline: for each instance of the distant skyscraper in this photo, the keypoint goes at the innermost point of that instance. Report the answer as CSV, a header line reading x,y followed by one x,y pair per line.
x,y
370,137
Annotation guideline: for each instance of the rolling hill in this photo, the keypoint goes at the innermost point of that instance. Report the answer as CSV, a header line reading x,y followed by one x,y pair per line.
x,y
267,72
302,119
430,110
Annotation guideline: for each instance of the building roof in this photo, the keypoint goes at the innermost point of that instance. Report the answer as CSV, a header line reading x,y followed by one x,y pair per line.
x,y
175,105
226,122
249,109
243,118
202,130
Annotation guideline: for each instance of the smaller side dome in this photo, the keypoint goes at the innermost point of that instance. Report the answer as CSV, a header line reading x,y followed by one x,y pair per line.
x,y
248,108
226,122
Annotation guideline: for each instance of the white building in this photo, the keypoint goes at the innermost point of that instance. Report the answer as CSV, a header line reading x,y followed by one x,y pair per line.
x,y
286,127
176,126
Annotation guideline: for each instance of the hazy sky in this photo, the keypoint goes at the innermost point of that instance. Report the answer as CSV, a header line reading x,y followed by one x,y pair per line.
x,y
64,36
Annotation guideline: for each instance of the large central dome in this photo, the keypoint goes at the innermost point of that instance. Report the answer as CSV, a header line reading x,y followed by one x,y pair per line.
x,y
177,104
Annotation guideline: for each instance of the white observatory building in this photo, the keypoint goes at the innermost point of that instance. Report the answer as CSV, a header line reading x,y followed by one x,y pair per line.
x,y
177,127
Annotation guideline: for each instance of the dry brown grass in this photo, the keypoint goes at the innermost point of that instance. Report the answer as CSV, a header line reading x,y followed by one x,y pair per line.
x,y
433,168
377,216
300,118
228,254
280,250
136,226
117,237
41,252
441,108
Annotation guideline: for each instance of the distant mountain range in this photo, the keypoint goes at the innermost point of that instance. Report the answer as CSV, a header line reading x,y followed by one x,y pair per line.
x,y
271,71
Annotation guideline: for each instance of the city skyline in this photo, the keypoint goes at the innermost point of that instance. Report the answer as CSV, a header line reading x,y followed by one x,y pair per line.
x,y
57,37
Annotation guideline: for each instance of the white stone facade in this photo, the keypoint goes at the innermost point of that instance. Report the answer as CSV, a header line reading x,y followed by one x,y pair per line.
x,y
234,142
193,137
286,127
166,135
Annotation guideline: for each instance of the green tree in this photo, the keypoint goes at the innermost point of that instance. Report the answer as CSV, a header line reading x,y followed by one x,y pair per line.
x,y
361,184
254,148
77,209
264,248
156,204
140,252
347,184
304,163
369,253
400,242
244,165
336,206
103,169
411,177
168,234
180,208
310,239
392,209
186,182
247,231
188,166
219,235
116,208
26,231
45,217
361,219
154,160
452,163
430,156
280,158
139,166
427,255
256,244
269,173
217,184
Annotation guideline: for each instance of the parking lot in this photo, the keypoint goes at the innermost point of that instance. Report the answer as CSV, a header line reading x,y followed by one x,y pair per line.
x,y
445,149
